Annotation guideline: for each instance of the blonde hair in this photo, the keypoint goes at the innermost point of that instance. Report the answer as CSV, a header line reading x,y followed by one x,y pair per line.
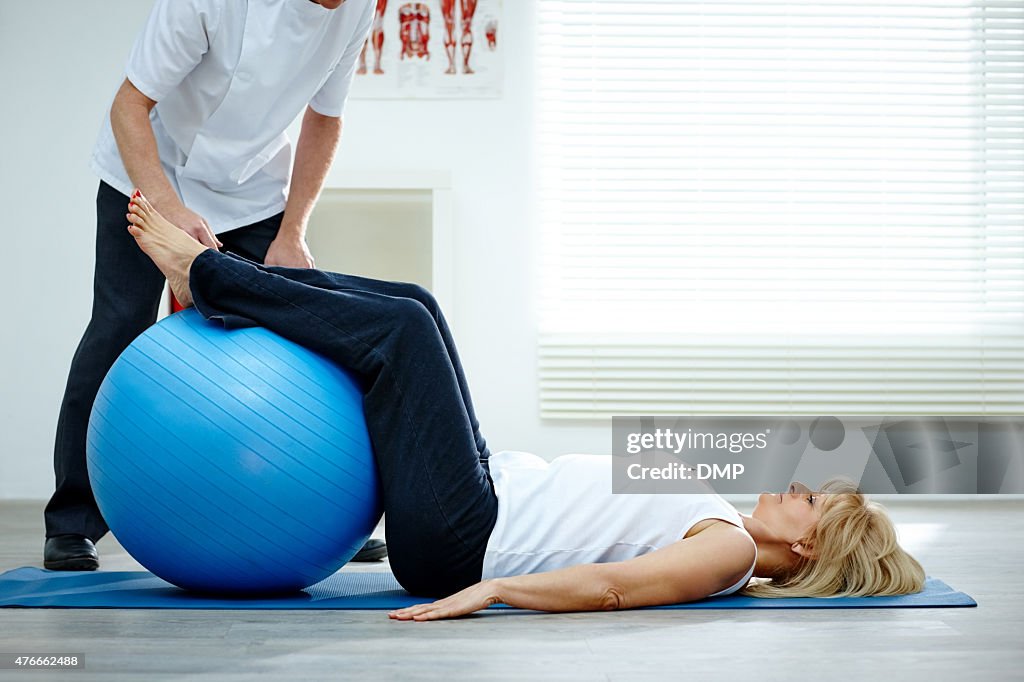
x,y
856,553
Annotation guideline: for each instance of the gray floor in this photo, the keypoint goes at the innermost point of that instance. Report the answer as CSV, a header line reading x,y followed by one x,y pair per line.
x,y
975,546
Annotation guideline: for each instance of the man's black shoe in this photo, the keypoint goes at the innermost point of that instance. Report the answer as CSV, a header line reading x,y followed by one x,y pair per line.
x,y
373,550
70,553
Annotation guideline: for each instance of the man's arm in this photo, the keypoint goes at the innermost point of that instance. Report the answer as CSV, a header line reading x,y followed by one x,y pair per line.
x,y
129,117
170,45
314,153
133,131
690,569
318,142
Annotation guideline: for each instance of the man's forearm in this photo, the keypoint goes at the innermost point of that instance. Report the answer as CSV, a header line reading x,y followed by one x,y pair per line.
x,y
133,131
314,153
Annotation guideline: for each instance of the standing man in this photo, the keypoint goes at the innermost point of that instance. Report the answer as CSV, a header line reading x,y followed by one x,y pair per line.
x,y
199,126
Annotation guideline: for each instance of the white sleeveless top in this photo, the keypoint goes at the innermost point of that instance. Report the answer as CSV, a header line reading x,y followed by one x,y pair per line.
x,y
562,513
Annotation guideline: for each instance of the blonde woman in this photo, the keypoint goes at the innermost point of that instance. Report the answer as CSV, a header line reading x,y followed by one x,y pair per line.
x,y
477,530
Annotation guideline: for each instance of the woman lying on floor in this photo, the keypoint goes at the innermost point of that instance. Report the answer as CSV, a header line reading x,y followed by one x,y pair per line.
x,y
479,530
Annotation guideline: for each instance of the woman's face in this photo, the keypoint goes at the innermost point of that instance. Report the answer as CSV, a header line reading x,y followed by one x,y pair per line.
x,y
789,515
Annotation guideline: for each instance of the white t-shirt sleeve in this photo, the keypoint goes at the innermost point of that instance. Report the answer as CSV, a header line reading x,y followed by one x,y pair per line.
x,y
174,39
330,99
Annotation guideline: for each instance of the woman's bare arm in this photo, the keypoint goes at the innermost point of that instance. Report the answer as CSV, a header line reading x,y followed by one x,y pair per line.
x,y
690,569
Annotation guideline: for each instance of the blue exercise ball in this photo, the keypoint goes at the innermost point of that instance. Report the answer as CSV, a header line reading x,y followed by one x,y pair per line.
x,y
232,462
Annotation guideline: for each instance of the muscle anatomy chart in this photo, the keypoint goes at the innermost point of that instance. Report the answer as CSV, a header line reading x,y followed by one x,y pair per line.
x,y
414,28
377,38
432,49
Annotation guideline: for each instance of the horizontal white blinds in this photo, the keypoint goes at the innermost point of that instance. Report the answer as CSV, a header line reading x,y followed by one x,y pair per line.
x,y
770,207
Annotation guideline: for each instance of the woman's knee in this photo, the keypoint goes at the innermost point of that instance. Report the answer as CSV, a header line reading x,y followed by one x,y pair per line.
x,y
408,313
420,294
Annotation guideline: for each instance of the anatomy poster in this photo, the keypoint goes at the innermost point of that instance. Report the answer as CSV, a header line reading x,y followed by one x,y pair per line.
x,y
432,49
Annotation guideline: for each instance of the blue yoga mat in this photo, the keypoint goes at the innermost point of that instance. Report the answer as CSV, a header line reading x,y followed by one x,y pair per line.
x,y
36,587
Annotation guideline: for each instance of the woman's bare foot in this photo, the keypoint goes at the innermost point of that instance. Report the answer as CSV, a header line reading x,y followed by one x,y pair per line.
x,y
171,249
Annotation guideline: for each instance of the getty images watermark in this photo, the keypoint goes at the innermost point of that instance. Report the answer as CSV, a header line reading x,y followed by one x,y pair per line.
x,y
880,454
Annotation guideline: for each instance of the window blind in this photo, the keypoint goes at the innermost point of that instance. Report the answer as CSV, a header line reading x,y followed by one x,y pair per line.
x,y
781,207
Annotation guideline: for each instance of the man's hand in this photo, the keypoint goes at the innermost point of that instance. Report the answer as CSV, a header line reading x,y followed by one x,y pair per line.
x,y
290,251
314,152
473,598
191,223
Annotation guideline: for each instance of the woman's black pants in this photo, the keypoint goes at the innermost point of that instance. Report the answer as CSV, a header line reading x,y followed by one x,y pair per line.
x,y
439,499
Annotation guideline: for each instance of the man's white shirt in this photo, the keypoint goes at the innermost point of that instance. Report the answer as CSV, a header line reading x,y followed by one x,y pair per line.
x,y
229,76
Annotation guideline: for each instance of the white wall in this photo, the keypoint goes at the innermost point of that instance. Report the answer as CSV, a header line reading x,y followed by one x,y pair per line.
x,y
62,61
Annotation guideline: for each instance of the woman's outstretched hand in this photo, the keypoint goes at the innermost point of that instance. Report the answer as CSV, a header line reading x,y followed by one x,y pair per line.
x,y
473,598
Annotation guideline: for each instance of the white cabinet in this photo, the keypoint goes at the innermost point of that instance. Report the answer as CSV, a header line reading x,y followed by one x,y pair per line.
x,y
387,225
